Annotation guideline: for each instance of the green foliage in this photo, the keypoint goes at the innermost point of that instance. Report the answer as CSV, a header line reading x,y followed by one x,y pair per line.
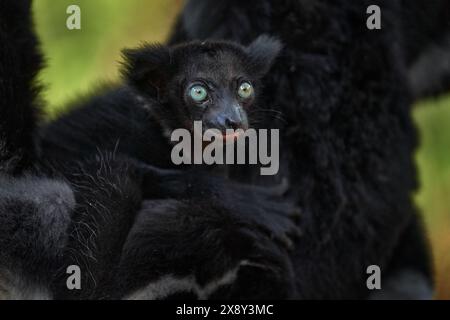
x,y
433,158
79,59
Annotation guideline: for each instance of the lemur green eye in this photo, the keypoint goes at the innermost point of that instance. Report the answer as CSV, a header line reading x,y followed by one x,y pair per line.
x,y
198,93
245,90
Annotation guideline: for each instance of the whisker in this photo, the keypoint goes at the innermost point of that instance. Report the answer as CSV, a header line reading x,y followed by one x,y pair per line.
x,y
276,114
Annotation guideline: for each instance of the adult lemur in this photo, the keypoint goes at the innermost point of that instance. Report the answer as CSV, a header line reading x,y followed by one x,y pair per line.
x,y
346,92
89,210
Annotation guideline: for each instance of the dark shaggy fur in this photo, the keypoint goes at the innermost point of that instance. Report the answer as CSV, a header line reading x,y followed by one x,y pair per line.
x,y
344,92
87,210
29,204
426,27
19,106
235,226
347,141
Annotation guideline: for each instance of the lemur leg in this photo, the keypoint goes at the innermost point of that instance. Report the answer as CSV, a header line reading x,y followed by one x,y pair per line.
x,y
118,252
198,249
108,195
34,217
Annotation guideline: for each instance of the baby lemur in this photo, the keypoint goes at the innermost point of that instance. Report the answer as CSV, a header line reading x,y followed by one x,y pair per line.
x,y
216,84
167,88
213,82
200,214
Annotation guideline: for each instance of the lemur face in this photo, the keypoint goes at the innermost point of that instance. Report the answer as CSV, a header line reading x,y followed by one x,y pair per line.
x,y
216,89
213,82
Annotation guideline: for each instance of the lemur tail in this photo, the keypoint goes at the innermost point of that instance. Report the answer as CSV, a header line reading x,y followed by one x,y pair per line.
x,y
20,61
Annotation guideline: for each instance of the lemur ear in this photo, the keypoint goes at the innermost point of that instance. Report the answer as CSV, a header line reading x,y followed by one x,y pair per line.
x,y
262,52
147,68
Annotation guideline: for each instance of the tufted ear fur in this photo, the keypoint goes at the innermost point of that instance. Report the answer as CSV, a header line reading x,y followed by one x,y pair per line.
x,y
262,52
147,68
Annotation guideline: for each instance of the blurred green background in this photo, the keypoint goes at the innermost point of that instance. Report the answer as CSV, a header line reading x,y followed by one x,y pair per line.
x,y
78,60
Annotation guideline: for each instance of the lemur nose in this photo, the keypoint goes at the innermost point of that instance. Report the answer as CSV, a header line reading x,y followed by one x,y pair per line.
x,y
231,123
227,122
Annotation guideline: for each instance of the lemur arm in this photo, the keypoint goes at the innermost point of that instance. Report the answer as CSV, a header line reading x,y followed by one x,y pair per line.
x,y
20,61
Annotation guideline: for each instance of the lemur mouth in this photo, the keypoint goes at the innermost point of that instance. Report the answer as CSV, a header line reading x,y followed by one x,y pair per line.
x,y
231,137
227,137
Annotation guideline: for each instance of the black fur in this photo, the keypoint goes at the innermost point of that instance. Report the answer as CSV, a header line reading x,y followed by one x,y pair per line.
x,y
344,93
348,142
346,124
163,77
19,106
84,206
87,218
426,27
34,210
422,28
196,200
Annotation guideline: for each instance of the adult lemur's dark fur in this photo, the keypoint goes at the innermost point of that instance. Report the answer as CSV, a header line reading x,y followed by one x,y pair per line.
x,y
28,204
18,91
346,92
